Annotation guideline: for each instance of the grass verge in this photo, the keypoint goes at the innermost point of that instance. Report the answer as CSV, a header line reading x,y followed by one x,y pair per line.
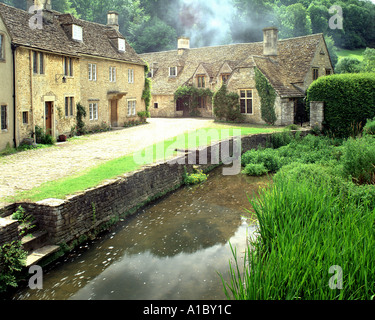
x,y
92,177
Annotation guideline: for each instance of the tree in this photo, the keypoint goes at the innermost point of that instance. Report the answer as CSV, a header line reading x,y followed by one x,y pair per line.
x,y
294,21
332,50
153,36
348,65
368,63
319,17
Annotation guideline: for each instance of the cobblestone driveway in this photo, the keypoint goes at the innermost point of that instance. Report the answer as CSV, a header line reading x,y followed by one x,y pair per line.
x,y
29,169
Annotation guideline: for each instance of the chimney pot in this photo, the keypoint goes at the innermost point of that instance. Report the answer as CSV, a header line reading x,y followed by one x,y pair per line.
x,y
183,43
270,41
112,20
46,4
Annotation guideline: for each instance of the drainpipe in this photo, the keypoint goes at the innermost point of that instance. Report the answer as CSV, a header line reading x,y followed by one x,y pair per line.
x,y
14,47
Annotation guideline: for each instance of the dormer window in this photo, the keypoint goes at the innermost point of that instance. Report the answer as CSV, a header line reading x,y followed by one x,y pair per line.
x,y
77,33
201,81
121,45
173,71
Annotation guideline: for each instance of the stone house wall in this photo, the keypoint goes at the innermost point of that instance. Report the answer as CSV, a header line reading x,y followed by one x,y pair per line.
x,y
6,87
34,90
321,61
103,90
244,78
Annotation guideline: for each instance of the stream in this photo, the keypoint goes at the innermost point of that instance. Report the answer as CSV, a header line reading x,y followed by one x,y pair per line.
x,y
174,248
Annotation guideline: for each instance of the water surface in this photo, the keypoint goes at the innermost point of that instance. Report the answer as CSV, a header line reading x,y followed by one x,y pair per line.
x,y
173,249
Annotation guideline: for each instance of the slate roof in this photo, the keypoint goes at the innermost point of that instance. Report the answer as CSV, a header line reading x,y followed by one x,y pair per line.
x,y
54,35
286,71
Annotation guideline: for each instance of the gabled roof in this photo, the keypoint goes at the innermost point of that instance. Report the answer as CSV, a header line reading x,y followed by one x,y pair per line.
x,y
54,36
289,67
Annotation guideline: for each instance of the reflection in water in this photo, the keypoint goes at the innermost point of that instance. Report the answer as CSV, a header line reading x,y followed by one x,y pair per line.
x,y
172,249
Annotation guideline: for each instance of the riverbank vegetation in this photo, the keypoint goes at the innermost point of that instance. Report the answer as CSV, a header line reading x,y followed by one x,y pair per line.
x,y
316,222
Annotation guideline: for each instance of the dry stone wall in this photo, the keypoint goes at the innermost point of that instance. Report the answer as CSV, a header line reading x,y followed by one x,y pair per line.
x,y
93,209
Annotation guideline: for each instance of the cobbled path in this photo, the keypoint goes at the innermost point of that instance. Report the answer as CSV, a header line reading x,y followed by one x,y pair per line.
x,y
29,169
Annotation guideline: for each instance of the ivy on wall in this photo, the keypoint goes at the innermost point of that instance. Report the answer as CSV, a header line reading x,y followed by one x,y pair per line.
x,y
267,96
191,94
146,94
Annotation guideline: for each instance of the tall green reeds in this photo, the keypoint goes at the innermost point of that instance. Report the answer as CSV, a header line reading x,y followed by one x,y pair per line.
x,y
306,227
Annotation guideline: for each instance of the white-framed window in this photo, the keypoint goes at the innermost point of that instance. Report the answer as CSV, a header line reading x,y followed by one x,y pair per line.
x,y
2,49
93,111
92,72
132,106
172,71
112,74
130,75
69,106
4,117
77,33
121,45
246,101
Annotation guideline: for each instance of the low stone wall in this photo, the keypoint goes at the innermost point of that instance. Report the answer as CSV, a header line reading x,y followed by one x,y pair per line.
x,y
8,231
67,220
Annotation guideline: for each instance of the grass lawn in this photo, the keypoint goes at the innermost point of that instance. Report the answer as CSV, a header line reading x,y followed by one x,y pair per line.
x,y
92,177
358,53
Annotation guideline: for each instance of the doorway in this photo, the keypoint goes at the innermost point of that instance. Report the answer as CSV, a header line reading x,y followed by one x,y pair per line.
x,y
114,113
48,117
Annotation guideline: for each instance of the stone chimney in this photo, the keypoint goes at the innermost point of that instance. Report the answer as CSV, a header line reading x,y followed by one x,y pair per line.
x,y
46,4
183,43
112,20
270,40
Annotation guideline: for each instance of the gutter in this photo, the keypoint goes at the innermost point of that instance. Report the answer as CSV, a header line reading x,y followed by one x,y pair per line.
x,y
14,47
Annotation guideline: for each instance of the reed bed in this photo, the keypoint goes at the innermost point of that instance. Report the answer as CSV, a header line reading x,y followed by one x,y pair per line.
x,y
316,237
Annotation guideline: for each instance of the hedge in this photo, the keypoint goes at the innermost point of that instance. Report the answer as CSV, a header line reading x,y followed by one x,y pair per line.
x,y
349,100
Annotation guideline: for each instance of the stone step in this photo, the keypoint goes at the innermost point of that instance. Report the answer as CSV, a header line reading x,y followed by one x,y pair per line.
x,y
35,256
34,240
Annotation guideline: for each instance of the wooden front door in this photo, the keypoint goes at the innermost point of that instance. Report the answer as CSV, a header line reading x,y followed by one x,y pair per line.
x,y
48,117
114,119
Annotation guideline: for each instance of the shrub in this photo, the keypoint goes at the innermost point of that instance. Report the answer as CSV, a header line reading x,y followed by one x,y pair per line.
x,y
255,169
143,115
12,260
279,139
194,178
359,159
349,100
268,157
369,128
348,65
81,113
42,137
225,105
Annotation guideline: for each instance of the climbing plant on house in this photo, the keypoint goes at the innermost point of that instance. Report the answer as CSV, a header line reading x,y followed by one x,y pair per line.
x,y
267,96
81,113
191,96
146,94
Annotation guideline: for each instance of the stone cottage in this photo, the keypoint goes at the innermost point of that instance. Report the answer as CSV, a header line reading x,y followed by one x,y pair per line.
x,y
290,66
52,61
